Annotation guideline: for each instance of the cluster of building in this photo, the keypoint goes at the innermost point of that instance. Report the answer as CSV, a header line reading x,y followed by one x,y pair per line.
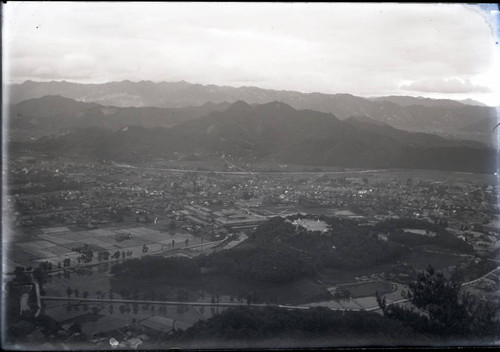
x,y
93,195
232,219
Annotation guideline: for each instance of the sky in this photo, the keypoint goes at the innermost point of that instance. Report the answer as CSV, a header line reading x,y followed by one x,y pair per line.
x,y
369,49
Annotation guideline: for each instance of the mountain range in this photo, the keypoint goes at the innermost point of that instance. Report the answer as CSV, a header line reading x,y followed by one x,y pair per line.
x,y
439,116
55,114
276,131
408,101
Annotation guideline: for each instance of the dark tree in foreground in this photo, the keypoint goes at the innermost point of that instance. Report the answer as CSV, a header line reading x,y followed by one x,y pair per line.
x,y
443,310
256,325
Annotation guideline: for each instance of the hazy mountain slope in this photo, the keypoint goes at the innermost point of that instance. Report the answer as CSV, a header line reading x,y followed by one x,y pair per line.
x,y
482,126
83,141
53,105
403,100
410,138
414,114
55,114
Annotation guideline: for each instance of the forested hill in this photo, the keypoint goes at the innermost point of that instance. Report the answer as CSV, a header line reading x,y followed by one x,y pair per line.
x,y
276,130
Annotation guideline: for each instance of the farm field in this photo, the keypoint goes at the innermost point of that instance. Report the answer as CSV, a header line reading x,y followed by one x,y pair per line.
x,y
397,294
441,261
106,317
298,292
369,288
91,281
54,244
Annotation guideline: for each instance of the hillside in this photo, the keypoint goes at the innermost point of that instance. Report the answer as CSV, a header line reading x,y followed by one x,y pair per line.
x,y
290,136
413,114
54,113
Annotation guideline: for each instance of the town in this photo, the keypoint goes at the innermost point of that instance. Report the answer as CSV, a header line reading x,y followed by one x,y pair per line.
x,y
62,212
53,193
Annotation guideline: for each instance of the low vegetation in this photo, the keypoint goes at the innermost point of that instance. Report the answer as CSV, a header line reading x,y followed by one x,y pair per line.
x,y
256,326
442,309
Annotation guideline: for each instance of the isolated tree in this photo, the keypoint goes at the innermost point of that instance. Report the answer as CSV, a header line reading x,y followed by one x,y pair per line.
x,y
20,274
40,275
69,291
76,292
85,294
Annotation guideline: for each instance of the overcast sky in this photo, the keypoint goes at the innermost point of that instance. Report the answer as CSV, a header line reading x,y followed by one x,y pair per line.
x,y
428,50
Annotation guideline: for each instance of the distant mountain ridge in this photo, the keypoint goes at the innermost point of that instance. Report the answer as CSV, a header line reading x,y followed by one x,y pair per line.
x,y
412,114
276,130
54,113
407,101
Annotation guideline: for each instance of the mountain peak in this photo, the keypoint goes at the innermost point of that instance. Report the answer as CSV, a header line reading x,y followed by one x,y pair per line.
x,y
472,102
239,106
277,104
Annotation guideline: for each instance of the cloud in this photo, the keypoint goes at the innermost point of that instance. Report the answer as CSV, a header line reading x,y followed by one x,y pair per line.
x,y
451,86
362,49
44,71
